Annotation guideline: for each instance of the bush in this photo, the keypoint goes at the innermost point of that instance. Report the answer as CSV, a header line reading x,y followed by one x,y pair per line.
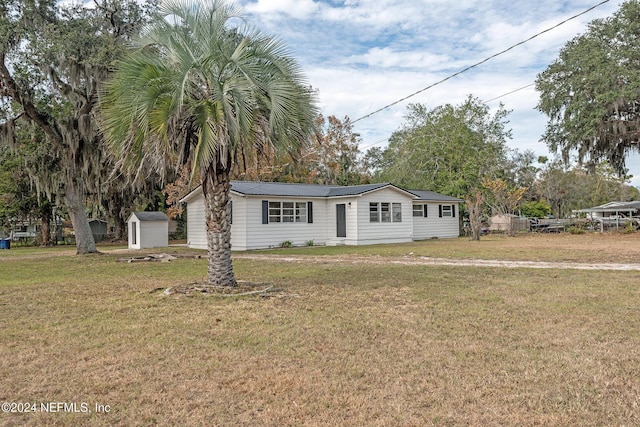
x,y
575,230
286,244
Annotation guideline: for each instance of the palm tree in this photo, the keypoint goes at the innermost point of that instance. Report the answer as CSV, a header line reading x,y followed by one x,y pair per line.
x,y
200,89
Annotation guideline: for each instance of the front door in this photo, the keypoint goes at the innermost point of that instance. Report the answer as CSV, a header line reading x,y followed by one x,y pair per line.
x,y
341,220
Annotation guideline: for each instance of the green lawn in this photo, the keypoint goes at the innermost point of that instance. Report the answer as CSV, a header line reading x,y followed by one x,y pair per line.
x,y
341,344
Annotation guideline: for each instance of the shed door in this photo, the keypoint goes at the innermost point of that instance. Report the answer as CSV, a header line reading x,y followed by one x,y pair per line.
x,y
134,233
341,220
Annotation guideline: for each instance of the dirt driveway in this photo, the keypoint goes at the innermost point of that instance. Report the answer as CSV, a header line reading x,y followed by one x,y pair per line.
x,y
421,260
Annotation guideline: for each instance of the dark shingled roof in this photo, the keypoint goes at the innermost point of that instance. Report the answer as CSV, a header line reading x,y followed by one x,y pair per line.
x,y
252,188
151,216
285,189
432,196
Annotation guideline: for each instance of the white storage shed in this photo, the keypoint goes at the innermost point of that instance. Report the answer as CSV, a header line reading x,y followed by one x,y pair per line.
x,y
148,230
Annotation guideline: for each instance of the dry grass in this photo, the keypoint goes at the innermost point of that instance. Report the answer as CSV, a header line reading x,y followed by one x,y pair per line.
x,y
341,345
562,247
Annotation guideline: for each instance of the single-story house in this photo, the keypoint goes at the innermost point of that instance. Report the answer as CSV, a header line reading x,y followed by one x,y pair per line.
x,y
148,230
613,214
610,209
266,214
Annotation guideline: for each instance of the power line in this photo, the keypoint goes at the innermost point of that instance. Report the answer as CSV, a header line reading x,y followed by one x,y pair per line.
x,y
480,63
508,93
487,101
373,143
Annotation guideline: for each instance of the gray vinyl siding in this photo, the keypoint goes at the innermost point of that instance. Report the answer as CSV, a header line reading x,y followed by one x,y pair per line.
x,y
249,232
434,225
383,232
331,232
238,222
196,224
153,234
259,235
147,231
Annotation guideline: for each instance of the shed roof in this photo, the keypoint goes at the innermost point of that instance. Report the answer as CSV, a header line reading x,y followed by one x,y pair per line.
x,y
150,216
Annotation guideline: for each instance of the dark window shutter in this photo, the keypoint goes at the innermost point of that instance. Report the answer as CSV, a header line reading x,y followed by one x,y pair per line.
x,y
231,210
453,211
426,209
440,211
310,212
265,212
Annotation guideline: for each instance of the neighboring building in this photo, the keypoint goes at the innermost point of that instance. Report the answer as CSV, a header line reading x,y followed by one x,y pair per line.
x,y
508,223
613,215
98,229
24,230
148,230
28,230
611,209
265,214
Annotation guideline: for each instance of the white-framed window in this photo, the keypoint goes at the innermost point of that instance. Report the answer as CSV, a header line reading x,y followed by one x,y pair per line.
x,y
385,212
418,210
447,211
300,212
396,212
374,215
287,212
275,212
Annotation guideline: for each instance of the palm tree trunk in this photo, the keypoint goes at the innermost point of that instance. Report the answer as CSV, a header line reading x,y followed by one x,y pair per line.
x,y
216,188
85,242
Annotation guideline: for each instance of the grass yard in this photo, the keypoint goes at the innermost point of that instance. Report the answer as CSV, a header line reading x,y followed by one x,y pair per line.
x,y
342,344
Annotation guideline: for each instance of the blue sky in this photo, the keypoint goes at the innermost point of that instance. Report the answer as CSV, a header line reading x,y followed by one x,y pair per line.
x,y
364,54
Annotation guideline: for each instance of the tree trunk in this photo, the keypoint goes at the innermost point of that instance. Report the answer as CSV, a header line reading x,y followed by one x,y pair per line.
x,y
475,202
45,228
120,228
216,188
84,238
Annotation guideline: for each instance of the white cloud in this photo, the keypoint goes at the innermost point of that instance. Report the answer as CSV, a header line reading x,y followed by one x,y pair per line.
x,y
365,54
387,57
299,9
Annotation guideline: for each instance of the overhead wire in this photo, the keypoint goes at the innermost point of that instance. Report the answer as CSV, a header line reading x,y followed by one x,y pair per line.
x,y
480,63
486,102
508,93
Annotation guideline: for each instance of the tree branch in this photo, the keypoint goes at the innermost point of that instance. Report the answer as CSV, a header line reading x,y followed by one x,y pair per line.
x,y
10,89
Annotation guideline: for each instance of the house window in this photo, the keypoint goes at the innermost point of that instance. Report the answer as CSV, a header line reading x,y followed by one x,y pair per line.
x,y
385,212
447,211
373,212
396,212
287,212
275,211
288,208
417,210
301,212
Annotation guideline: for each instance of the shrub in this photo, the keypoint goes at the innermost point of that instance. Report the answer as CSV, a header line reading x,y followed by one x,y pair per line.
x,y
286,244
575,230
